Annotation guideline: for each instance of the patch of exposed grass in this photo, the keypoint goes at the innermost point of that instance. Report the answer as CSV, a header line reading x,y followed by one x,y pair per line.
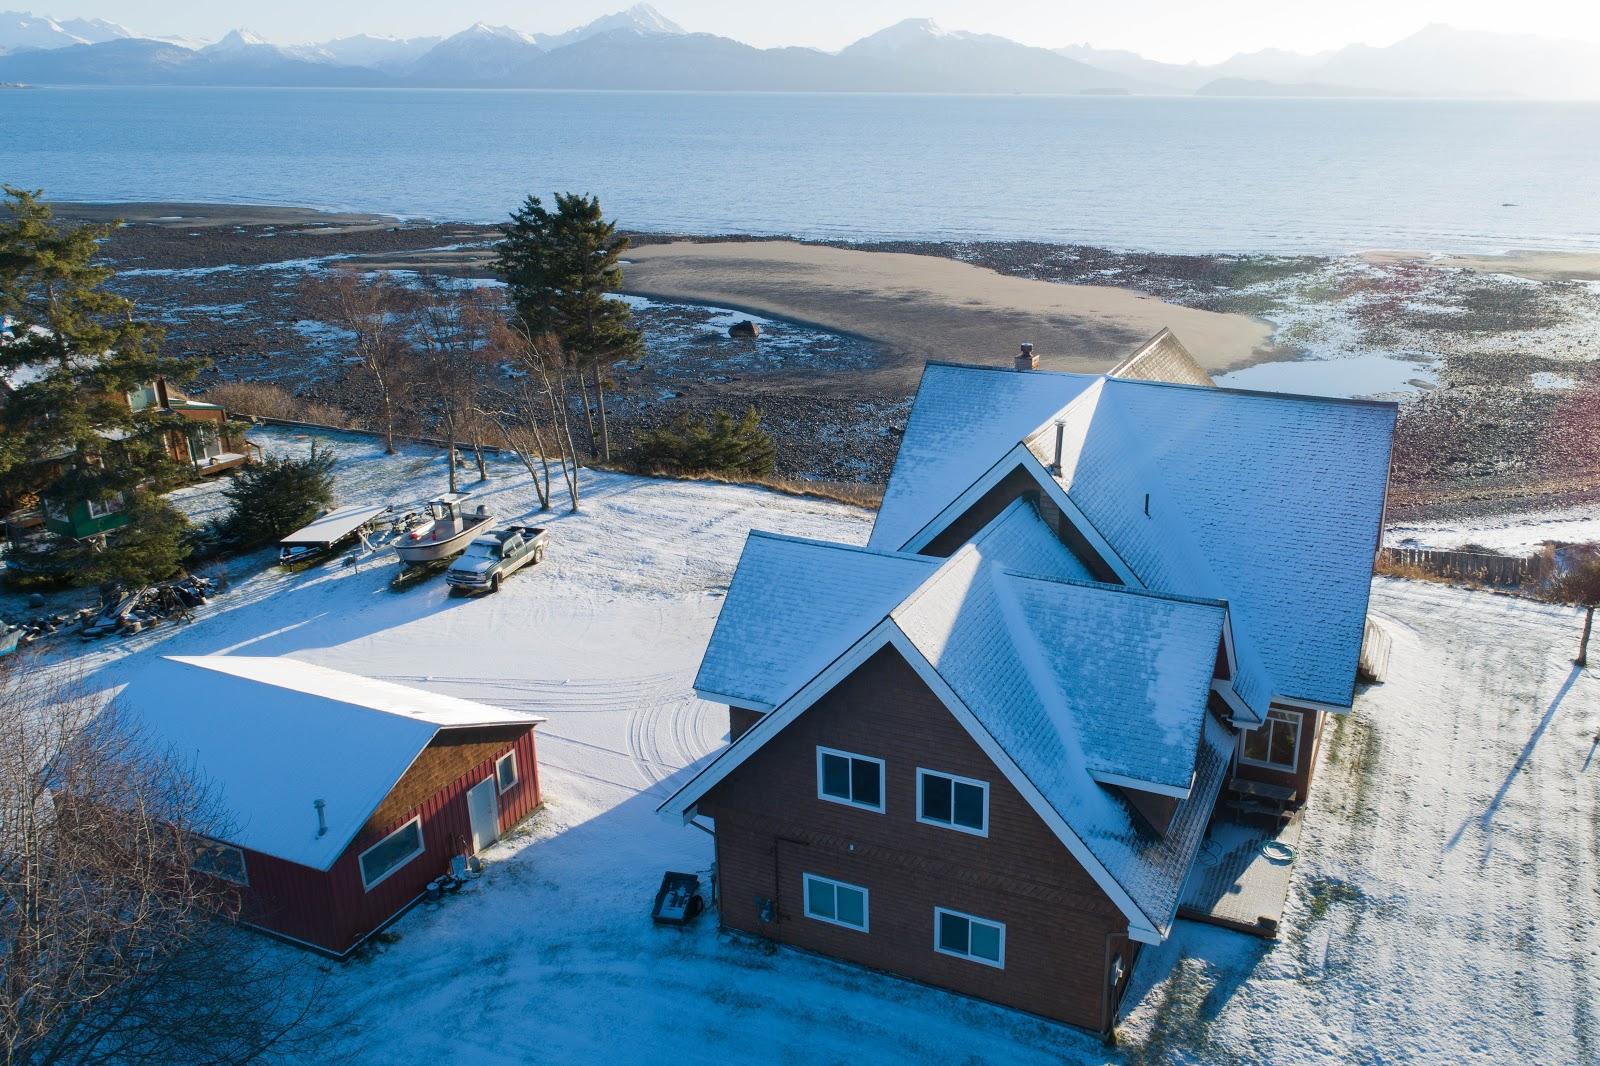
x,y
1182,1021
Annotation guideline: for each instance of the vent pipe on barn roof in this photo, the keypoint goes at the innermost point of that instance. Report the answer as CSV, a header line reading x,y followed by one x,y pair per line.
x,y
322,817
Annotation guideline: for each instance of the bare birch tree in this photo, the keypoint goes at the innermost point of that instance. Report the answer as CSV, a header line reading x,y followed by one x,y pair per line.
x,y
115,951
536,420
375,312
451,337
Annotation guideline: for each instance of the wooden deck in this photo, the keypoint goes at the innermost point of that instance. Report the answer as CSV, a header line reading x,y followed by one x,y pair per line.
x,y
225,461
1233,884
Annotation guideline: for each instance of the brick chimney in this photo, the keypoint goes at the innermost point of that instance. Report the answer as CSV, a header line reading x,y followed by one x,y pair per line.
x,y
1026,360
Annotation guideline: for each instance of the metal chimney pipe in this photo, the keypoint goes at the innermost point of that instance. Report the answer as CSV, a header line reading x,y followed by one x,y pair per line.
x,y
322,817
1061,432
1026,360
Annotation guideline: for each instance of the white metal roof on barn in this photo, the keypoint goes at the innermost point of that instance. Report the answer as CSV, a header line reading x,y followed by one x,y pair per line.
x,y
272,735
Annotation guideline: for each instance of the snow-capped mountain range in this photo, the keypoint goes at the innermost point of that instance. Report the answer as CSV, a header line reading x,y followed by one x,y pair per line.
x,y
640,48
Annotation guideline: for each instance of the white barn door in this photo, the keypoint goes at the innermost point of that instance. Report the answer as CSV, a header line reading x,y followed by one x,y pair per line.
x,y
483,808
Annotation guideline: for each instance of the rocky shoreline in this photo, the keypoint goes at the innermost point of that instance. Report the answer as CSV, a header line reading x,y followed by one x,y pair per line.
x,y
1502,414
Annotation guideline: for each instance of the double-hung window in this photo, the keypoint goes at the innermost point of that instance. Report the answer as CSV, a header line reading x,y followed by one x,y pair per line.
x,y
854,780
968,937
836,902
953,802
1276,742
392,852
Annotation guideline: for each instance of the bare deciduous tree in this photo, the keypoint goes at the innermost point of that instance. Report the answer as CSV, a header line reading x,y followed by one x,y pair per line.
x,y
376,312
538,415
114,949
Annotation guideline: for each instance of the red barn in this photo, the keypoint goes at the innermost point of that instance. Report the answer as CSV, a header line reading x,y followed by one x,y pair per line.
x,y
340,797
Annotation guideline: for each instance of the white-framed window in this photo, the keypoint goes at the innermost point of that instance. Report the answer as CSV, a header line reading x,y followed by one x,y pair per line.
x,y
854,780
952,802
143,398
392,852
505,771
1275,743
110,505
967,936
219,860
836,902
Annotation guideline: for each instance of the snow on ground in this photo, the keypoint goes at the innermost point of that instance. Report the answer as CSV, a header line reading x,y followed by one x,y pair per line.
x,y
1514,534
1443,907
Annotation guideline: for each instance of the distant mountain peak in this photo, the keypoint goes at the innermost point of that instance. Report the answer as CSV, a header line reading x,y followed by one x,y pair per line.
x,y
483,29
639,19
907,33
648,19
240,38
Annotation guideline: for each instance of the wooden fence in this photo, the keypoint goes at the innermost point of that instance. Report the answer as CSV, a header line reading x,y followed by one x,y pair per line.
x,y
1505,571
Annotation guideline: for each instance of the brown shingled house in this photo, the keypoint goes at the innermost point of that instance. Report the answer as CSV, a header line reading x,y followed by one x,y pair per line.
x,y
982,751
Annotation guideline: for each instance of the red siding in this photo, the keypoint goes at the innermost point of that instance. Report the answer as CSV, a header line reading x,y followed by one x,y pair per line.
x,y
333,911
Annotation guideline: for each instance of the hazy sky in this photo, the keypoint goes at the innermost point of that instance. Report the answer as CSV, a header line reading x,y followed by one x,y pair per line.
x,y
1206,30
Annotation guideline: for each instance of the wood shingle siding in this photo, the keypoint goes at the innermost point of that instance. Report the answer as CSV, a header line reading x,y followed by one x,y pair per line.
x,y
772,829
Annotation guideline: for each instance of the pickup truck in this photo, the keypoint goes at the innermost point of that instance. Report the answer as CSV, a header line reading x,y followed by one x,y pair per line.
x,y
491,558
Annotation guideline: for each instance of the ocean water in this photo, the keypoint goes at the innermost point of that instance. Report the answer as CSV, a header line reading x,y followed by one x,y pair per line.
x,y
1173,174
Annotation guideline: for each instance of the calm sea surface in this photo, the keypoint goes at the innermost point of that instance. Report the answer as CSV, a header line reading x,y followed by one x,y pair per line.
x,y
1179,174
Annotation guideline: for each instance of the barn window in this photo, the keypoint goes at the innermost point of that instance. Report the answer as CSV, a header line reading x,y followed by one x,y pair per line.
x,y
836,902
854,780
505,771
1276,743
391,853
220,860
969,937
953,802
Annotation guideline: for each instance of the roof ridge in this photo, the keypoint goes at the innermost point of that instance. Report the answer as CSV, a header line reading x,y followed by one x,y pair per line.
x,y
1262,394
813,542
951,364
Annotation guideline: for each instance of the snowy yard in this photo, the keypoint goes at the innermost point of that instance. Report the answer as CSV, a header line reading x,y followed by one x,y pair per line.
x,y
1443,910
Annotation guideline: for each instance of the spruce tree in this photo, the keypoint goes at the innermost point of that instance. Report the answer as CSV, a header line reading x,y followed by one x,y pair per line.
x,y
718,445
276,496
66,428
558,267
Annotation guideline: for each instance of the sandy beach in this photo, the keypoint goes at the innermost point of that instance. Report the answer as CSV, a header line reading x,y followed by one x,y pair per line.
x,y
927,307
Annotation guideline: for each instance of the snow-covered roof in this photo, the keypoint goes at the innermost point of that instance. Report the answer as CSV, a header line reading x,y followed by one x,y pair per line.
x,y
1284,497
962,421
973,624
792,606
1270,502
1044,669
335,525
272,735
